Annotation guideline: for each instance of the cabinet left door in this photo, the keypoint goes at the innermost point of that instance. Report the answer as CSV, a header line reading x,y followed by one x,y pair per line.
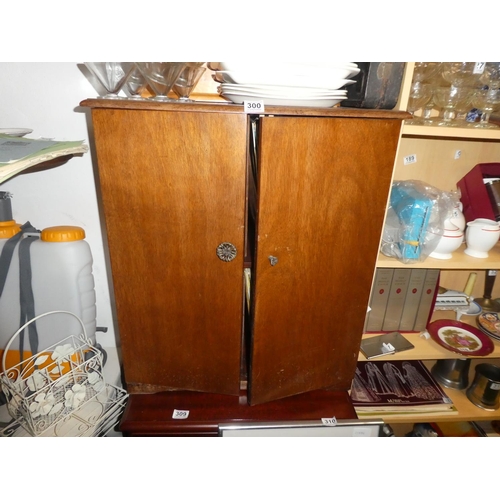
x,y
172,185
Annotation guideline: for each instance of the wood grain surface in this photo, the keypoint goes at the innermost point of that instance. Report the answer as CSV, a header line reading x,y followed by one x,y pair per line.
x,y
152,414
322,193
173,187
173,183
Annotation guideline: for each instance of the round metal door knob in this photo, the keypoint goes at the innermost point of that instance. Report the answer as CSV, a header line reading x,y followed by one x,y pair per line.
x,y
226,251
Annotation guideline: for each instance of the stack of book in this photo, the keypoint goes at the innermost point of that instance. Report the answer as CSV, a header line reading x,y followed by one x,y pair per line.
x,y
397,387
401,300
18,153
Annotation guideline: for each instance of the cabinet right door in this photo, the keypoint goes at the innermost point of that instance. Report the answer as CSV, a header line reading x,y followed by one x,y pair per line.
x,y
322,188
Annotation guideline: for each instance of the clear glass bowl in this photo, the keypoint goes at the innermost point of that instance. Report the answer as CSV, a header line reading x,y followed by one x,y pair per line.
x,y
460,74
420,95
450,99
491,75
135,84
111,75
187,81
425,72
161,77
487,101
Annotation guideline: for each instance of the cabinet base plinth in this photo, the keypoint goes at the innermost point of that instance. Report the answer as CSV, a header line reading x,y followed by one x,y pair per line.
x,y
152,414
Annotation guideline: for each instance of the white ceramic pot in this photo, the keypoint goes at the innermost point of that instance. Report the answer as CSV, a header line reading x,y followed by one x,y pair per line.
x,y
448,243
456,218
481,236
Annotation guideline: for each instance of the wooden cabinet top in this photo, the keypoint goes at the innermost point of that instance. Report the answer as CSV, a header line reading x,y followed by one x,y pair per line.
x,y
223,107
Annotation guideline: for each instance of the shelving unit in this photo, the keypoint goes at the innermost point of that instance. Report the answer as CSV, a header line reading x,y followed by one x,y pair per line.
x,y
429,351
443,156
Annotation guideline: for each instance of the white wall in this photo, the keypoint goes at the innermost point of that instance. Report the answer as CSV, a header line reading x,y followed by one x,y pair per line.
x,y
45,97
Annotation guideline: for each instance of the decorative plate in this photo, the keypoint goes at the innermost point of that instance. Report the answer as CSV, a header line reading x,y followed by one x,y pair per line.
x,y
460,338
489,323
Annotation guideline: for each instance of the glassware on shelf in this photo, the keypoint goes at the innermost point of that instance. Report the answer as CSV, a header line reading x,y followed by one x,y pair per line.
x,y
487,101
427,118
111,75
135,84
428,73
420,95
187,81
449,98
161,77
425,72
460,74
491,75
462,108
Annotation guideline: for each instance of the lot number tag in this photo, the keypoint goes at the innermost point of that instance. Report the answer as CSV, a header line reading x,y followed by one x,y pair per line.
x,y
479,68
180,414
410,159
329,421
253,107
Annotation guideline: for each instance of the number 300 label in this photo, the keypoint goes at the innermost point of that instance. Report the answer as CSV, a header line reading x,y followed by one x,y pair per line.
x,y
253,106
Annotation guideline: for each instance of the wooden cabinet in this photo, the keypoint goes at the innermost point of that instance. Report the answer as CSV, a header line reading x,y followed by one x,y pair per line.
x,y
439,165
177,181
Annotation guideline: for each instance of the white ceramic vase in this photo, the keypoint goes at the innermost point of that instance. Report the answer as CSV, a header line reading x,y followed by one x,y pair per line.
x,y
481,236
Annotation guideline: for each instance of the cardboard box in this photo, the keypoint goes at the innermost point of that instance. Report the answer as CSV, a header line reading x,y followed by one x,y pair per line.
x,y
474,197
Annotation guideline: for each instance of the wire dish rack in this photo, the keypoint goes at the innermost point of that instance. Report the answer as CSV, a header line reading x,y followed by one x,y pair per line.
x,y
48,388
93,419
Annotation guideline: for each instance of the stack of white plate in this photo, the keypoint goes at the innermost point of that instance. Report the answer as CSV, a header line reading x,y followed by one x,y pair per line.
x,y
285,84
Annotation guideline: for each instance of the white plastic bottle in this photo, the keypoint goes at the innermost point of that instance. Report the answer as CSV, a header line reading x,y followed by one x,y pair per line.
x,y
61,279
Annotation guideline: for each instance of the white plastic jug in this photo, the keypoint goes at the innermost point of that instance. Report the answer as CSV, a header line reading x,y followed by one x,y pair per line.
x,y
61,279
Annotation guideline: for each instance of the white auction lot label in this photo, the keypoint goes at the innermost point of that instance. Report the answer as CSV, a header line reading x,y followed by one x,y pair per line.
x,y
253,106
180,414
329,421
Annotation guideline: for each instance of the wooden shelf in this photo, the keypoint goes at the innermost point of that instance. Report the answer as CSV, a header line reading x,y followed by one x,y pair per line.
x,y
427,349
455,132
466,410
460,260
